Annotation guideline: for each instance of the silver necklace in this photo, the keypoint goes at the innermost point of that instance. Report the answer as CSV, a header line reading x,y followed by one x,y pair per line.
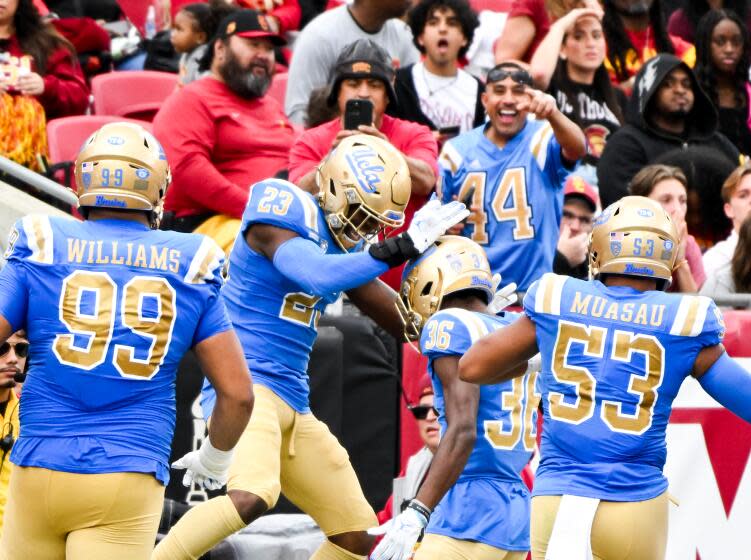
x,y
432,92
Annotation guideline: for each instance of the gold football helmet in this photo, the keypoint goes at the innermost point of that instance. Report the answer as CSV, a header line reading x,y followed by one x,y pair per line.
x,y
122,167
636,237
364,186
452,265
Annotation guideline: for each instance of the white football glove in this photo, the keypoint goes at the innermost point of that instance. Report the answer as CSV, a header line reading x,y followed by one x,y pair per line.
x,y
401,534
504,297
206,467
432,220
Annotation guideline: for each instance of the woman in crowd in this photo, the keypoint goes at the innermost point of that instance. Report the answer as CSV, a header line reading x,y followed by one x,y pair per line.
x,y
528,22
569,65
39,77
722,63
668,186
735,277
684,21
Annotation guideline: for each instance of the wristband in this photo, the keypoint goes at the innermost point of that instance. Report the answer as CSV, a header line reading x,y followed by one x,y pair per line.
x,y
214,459
420,508
394,251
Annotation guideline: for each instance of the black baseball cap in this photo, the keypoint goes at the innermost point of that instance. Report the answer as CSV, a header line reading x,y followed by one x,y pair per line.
x,y
362,59
249,24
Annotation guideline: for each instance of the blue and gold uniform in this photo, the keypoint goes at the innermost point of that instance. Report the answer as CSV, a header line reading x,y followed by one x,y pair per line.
x,y
489,503
275,320
109,308
518,190
114,306
613,359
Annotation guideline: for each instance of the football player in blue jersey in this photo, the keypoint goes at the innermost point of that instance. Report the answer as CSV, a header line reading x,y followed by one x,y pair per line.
x,y
512,171
615,351
479,503
293,257
110,306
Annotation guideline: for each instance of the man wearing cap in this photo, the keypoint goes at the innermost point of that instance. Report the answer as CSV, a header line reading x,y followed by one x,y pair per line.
x,y
510,171
222,133
363,71
321,41
579,206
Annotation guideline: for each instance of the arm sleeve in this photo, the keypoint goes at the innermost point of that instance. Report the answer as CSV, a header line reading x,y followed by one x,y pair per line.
x,y
14,295
422,145
318,273
188,144
729,383
65,91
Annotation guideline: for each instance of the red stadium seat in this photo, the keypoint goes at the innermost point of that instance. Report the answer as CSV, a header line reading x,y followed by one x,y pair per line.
x,y
136,94
278,89
66,135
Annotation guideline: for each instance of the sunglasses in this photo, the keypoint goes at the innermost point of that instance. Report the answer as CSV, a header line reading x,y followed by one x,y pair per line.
x,y
420,411
21,348
517,75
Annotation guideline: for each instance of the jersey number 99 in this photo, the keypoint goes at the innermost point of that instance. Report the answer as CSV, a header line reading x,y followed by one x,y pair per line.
x,y
97,325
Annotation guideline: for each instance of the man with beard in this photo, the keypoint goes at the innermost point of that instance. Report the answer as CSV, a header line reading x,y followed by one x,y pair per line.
x,y
223,133
668,110
13,353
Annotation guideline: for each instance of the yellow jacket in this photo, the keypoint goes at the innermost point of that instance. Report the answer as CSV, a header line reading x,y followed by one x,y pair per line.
x,y
9,422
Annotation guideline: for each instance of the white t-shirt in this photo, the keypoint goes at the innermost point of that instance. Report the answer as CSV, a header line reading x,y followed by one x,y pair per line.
x,y
719,255
319,44
447,101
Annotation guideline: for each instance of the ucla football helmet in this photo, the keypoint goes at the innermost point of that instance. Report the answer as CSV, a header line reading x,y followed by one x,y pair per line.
x,y
122,167
454,264
364,187
635,237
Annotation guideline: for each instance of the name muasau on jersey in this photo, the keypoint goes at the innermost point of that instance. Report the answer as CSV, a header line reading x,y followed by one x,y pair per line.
x,y
599,307
141,255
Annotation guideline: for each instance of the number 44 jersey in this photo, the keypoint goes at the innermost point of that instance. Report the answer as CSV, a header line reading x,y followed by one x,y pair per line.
x,y
109,307
613,359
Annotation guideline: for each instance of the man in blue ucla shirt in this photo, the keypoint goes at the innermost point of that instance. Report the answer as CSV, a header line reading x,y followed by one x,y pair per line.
x,y
615,351
110,307
473,503
294,256
511,171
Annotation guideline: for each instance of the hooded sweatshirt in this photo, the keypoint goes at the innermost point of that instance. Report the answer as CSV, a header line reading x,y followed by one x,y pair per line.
x,y
639,142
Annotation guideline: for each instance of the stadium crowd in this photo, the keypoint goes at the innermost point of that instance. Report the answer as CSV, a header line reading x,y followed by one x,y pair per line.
x,y
470,174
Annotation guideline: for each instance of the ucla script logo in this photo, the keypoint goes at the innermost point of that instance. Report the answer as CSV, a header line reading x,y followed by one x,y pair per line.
x,y
364,163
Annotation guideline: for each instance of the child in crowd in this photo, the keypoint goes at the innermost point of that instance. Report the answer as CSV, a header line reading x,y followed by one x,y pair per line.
x,y
722,62
193,26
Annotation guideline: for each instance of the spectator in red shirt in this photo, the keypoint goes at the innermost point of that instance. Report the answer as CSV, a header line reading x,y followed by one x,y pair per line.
x,y
222,133
363,71
283,15
38,62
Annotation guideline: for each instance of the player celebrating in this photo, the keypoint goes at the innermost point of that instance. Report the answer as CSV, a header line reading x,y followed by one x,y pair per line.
x,y
608,385
110,307
513,169
487,433
291,259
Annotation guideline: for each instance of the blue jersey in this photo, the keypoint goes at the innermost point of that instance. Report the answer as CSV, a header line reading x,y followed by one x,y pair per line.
x,y
607,383
489,502
518,189
274,318
109,307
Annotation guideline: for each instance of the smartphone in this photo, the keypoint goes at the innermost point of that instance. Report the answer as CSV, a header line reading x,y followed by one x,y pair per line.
x,y
357,112
449,131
